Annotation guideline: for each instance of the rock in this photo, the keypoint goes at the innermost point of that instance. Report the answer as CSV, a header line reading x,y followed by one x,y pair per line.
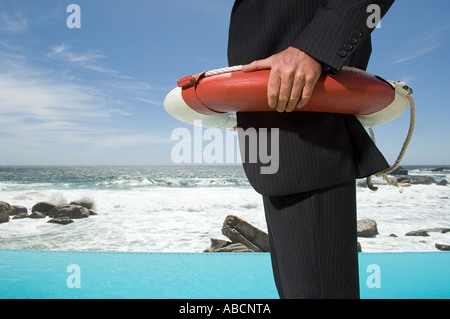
x,y
367,228
440,169
239,231
399,171
4,215
21,215
216,244
442,182
358,247
61,220
71,211
37,215
424,232
235,248
15,210
224,246
393,235
92,213
84,203
442,247
6,206
417,233
362,184
416,180
437,230
43,207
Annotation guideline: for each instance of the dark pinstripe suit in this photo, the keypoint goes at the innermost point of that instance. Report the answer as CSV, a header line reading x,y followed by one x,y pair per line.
x,y
310,202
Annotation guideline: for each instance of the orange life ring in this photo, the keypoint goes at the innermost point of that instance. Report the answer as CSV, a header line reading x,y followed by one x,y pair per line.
x,y
212,98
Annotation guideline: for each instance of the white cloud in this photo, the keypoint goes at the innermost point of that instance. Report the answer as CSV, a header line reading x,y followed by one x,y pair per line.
x,y
36,111
63,51
153,102
14,22
42,99
440,30
88,59
59,49
39,110
417,54
426,42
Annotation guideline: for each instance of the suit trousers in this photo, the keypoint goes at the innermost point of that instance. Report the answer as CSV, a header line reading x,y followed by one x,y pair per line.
x,y
313,243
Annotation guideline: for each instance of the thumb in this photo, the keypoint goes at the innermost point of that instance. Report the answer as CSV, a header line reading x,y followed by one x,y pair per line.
x,y
258,65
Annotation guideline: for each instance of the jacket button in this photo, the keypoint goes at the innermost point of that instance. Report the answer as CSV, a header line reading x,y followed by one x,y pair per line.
x,y
353,41
342,53
348,47
358,34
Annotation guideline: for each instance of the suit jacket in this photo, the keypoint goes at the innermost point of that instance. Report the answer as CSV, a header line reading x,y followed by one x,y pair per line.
x,y
316,150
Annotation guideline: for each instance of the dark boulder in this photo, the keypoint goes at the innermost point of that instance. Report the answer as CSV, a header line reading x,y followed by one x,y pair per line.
x,y
21,215
442,182
7,207
84,203
367,228
425,231
217,244
399,171
43,207
4,215
240,231
37,215
16,209
422,233
440,169
224,246
441,230
442,247
362,184
71,211
417,180
61,220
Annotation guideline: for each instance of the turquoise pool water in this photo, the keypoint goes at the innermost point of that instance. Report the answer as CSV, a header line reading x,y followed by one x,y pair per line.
x,y
73,274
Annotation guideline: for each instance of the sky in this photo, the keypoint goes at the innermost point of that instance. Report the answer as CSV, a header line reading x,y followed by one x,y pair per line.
x,y
94,95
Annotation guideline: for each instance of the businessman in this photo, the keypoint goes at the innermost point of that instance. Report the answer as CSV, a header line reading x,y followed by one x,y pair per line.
x,y
310,202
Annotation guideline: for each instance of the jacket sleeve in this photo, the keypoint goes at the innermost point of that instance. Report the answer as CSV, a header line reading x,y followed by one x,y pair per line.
x,y
338,30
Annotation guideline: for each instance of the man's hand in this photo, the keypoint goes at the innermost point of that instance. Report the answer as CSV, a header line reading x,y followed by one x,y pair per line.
x,y
292,78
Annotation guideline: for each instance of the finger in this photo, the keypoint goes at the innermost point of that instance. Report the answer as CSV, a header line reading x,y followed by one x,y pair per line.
x,y
306,94
273,89
257,65
296,93
285,91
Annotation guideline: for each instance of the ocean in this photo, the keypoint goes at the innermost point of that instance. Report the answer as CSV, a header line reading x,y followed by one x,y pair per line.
x,y
180,208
